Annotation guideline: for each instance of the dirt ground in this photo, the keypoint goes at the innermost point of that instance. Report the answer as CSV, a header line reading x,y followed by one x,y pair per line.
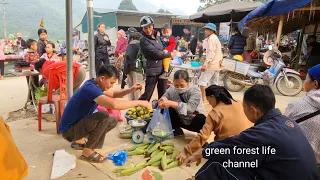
x,y
38,147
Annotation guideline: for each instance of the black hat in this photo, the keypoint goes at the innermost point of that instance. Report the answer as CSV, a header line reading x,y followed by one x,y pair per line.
x,y
131,30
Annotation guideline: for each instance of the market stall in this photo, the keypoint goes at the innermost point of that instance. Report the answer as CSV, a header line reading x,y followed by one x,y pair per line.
x,y
284,16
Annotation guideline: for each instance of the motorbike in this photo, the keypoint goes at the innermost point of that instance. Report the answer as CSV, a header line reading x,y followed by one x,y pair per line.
x,y
241,74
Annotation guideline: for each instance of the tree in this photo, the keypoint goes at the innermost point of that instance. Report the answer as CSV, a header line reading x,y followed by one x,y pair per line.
x,y
200,8
127,5
163,11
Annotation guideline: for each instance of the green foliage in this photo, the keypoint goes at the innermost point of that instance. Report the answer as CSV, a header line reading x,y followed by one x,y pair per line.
x,y
127,5
200,8
163,11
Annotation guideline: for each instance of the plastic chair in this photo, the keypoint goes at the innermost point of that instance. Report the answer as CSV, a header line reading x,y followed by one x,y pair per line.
x,y
57,100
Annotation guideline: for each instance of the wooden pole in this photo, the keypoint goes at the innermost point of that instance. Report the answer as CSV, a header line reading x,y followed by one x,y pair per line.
x,y
279,31
315,29
299,49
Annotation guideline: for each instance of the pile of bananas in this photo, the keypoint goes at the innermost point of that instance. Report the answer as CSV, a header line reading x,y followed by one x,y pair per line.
x,y
140,113
161,155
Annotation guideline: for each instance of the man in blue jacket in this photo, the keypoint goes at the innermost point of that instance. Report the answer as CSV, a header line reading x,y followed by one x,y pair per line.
x,y
274,148
237,43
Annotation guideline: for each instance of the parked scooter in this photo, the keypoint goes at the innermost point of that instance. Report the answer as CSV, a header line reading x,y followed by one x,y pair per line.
x,y
241,74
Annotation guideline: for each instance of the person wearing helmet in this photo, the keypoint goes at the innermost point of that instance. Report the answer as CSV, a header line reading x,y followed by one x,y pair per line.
x,y
153,51
42,42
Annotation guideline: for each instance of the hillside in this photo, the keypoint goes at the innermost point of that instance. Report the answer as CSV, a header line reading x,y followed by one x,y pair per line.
x,y
25,15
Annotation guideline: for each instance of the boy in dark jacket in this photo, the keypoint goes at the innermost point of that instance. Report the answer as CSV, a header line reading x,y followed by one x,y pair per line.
x,y
169,43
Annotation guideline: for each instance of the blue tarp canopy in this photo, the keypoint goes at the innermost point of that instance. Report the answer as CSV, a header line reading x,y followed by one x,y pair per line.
x,y
273,8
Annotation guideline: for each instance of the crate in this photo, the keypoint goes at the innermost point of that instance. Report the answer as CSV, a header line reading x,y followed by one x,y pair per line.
x,y
229,64
242,68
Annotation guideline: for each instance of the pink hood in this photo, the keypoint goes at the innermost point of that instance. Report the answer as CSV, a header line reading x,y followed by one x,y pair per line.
x,y
121,46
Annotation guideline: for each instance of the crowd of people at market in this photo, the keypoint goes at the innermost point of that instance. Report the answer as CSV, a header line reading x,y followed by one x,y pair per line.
x,y
253,122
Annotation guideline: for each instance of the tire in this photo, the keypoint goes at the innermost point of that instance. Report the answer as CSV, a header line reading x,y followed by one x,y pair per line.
x,y
298,84
231,86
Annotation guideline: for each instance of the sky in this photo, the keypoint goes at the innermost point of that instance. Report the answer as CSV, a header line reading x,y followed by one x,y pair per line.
x,y
187,6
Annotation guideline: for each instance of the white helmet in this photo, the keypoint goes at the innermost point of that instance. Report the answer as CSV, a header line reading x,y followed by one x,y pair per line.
x,y
145,21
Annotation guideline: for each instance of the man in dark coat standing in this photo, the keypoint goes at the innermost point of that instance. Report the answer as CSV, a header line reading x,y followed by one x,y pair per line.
x,y
193,44
237,43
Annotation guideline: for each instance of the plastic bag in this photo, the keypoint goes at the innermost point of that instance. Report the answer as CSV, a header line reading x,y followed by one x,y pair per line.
x,y
160,128
119,158
176,61
112,112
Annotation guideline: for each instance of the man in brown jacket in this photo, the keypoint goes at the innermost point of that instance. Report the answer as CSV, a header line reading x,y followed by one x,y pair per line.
x,y
251,43
226,119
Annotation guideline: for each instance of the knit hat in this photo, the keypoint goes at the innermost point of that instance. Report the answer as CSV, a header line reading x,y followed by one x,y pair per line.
x,y
122,33
315,72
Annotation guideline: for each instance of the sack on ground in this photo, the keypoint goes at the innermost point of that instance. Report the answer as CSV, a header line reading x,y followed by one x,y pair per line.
x,y
160,128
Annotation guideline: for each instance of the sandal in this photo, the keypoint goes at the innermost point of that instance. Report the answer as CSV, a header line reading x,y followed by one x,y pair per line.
x,y
77,146
92,158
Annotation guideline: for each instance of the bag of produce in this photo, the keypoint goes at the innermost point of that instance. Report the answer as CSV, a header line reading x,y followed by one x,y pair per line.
x,y
159,128
40,92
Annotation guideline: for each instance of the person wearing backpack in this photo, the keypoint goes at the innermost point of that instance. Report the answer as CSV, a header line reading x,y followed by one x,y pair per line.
x,y
153,50
133,64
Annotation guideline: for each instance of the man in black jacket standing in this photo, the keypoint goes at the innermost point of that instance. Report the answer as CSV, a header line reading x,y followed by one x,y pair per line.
x,y
153,51
237,43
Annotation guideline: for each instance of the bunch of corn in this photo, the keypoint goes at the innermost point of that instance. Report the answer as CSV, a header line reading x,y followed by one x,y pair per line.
x,y
161,155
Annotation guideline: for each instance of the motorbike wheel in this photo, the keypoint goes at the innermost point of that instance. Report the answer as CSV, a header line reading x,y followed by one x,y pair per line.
x,y
295,84
233,86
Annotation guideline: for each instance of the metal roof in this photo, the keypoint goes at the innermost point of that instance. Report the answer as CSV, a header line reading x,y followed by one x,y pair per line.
x,y
133,13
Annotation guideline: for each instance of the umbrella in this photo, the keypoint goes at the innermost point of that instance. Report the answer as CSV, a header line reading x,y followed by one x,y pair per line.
x,y
225,12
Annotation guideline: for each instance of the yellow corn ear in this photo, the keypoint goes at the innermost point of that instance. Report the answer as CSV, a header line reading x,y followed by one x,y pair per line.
x,y
142,147
169,161
119,169
164,161
155,152
173,164
150,146
175,153
143,162
155,147
168,149
155,158
156,164
137,152
128,172
136,146
167,144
